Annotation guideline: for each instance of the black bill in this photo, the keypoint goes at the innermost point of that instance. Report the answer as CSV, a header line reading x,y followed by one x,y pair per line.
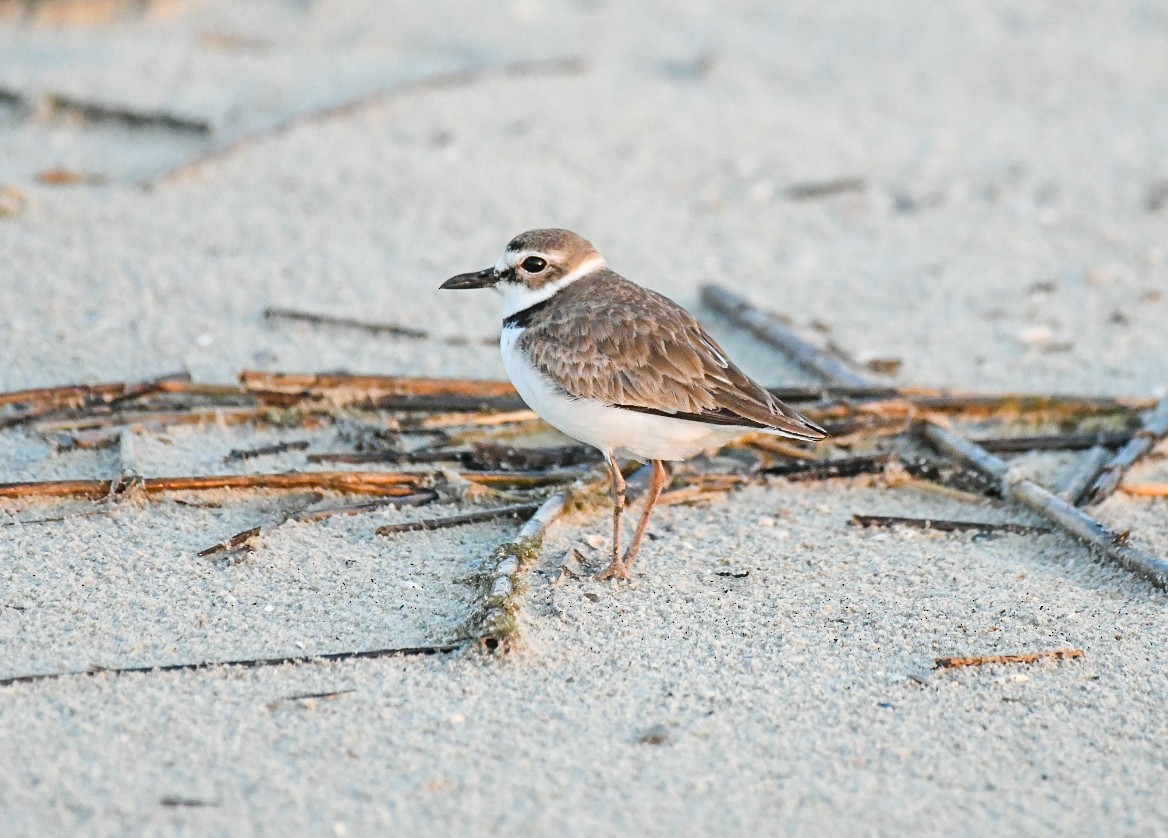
x,y
481,279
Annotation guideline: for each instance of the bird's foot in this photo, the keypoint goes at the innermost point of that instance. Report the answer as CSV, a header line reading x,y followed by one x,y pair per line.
x,y
616,570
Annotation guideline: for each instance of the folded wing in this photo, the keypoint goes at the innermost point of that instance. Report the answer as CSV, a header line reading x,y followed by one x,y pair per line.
x,y
633,348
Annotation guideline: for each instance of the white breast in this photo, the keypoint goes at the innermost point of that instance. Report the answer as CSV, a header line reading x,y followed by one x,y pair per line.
x,y
611,429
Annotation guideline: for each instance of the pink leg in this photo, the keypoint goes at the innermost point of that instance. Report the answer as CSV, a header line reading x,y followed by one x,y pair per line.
x,y
656,484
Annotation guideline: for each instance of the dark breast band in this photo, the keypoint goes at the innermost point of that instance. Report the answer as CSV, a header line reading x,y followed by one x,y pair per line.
x,y
522,318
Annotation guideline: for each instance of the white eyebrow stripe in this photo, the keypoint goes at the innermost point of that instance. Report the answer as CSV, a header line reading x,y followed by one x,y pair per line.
x,y
596,263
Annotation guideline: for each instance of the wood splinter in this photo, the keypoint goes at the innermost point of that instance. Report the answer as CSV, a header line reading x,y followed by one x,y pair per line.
x,y
1028,657
1146,490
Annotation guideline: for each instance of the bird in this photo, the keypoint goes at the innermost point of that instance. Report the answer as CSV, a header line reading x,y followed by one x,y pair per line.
x,y
619,367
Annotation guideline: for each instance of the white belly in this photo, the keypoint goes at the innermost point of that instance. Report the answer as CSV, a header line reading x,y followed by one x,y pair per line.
x,y
611,429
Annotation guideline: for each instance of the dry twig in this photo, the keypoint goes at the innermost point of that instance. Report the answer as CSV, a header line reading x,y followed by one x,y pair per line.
x,y
342,388
825,188
244,663
1155,428
1146,490
95,112
944,525
1028,657
1053,442
266,450
478,517
344,322
1085,471
351,482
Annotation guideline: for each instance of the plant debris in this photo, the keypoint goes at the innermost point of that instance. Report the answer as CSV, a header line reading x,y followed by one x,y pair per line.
x,y
1028,657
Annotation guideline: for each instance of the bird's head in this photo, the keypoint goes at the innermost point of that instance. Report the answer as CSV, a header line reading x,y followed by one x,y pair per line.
x,y
535,265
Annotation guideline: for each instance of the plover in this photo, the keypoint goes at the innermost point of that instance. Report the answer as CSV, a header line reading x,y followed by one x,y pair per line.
x,y
619,367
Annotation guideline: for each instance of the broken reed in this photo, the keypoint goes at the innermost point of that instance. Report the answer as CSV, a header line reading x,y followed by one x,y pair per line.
x,y
353,482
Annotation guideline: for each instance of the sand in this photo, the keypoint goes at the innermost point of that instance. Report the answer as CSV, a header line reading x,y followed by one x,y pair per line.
x,y
770,668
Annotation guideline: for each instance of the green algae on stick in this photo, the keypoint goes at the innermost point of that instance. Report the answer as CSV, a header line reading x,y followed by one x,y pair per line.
x,y
498,628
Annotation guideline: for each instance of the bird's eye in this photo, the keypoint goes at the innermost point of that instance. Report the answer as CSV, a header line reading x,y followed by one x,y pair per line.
x,y
533,264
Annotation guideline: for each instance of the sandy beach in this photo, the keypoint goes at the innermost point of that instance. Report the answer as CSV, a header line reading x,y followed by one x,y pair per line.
x,y
997,224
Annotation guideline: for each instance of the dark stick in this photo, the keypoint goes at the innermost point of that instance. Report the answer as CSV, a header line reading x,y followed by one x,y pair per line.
x,y
1155,428
944,525
370,457
266,450
420,497
233,543
93,112
324,696
524,479
1053,442
344,322
959,479
173,801
1084,473
940,401
483,456
825,189
962,480
245,663
513,511
437,404
828,469
769,330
